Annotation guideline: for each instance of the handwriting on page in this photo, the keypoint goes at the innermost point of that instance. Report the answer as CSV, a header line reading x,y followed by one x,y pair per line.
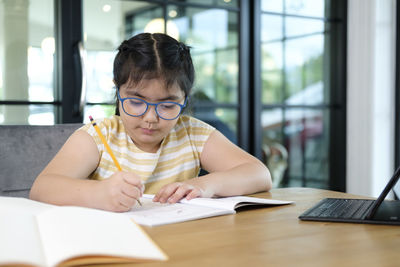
x,y
154,213
152,209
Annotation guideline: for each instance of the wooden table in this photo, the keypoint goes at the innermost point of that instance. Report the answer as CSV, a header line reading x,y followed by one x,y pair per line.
x,y
276,237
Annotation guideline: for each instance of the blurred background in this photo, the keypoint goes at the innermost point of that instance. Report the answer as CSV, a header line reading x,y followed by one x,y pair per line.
x,y
275,76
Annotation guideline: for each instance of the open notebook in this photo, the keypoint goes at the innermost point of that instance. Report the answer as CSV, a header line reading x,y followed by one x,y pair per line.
x,y
154,213
38,234
377,211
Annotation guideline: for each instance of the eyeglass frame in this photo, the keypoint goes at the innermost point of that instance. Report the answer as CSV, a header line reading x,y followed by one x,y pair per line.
x,y
182,106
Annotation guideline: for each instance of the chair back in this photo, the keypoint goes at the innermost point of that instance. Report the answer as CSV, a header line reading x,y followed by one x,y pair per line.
x,y
25,150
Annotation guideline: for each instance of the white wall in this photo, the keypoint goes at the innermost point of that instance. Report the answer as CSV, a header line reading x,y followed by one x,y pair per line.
x,y
370,95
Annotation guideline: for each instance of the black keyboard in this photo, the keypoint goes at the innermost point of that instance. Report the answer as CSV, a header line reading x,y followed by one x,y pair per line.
x,y
333,208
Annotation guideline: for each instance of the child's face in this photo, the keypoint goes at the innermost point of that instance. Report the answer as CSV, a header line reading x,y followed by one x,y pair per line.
x,y
148,131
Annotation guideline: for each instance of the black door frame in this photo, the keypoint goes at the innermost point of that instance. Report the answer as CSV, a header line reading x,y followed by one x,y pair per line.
x,y
68,72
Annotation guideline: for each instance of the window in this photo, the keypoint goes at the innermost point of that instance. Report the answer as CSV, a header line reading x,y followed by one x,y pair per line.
x,y
27,94
296,90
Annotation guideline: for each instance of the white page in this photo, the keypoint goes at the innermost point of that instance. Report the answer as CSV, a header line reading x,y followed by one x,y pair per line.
x,y
228,203
154,213
68,232
23,205
231,203
19,240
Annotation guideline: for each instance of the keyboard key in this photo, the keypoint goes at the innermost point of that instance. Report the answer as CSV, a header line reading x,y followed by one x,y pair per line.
x,y
320,208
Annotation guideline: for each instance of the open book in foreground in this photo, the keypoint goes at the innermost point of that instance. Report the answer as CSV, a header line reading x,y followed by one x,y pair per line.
x,y
38,234
154,213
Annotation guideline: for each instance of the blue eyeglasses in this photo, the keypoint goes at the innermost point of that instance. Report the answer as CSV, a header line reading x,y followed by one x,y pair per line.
x,y
136,107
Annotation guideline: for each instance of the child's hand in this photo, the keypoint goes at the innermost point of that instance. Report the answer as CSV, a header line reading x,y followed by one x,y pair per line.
x,y
119,193
174,192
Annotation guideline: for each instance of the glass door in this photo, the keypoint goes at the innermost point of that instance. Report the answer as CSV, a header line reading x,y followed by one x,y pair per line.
x,y
27,49
300,91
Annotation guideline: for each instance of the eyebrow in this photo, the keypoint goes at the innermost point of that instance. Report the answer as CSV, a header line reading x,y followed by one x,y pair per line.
x,y
136,94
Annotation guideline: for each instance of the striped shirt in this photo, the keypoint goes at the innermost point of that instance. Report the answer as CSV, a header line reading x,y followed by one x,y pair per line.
x,y
177,159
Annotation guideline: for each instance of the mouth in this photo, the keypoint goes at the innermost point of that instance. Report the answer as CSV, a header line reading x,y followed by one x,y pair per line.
x,y
147,131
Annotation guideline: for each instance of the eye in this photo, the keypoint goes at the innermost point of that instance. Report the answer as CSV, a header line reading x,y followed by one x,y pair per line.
x,y
135,102
168,105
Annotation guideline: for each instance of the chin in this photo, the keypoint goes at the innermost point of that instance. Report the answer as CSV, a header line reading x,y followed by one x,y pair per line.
x,y
148,139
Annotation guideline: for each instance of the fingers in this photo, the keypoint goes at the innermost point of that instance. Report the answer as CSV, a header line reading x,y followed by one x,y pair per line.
x,y
174,192
121,191
194,194
165,192
125,203
132,179
131,190
182,191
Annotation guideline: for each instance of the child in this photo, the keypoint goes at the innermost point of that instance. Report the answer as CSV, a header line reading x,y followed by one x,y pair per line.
x,y
155,145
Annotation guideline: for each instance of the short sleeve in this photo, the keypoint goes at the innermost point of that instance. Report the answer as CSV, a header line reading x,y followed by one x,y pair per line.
x,y
104,126
198,131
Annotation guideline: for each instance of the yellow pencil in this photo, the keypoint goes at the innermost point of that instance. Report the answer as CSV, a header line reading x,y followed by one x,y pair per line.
x,y
108,148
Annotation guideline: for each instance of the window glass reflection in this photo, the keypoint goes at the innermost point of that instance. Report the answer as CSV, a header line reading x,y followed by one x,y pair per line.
x,y
271,73
228,3
272,28
307,141
147,18
194,26
27,114
314,8
217,75
295,71
203,2
98,111
299,26
99,74
215,53
40,73
294,141
275,155
223,119
272,5
226,75
27,50
316,126
304,70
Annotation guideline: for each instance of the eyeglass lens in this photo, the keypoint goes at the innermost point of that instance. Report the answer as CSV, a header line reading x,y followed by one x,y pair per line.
x,y
137,107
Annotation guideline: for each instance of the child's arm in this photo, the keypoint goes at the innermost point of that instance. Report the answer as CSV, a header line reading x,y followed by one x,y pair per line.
x,y
232,171
64,180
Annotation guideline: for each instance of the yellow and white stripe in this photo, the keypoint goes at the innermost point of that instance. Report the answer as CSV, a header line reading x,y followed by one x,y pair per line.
x,y
178,158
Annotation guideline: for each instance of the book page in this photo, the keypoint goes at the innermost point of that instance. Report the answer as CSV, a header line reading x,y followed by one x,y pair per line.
x,y
154,213
19,240
69,232
231,203
23,205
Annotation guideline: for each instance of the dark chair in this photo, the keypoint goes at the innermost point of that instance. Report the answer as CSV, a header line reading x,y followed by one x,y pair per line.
x,y
24,151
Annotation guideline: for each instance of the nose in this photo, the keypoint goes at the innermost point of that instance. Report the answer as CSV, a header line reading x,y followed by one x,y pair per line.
x,y
151,114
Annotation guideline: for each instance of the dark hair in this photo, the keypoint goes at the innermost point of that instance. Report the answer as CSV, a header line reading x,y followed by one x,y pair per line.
x,y
150,56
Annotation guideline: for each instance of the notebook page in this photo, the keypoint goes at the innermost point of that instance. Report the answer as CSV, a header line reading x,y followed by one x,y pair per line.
x,y
154,213
23,205
231,203
69,232
19,240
